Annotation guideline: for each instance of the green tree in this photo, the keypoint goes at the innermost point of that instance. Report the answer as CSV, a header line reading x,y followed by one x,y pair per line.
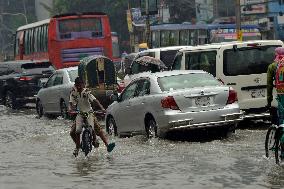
x,y
182,10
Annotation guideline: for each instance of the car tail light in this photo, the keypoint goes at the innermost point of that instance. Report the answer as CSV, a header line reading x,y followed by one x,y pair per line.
x,y
25,78
233,97
169,102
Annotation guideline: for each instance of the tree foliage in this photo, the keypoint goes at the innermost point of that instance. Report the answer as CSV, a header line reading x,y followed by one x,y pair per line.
x,y
182,10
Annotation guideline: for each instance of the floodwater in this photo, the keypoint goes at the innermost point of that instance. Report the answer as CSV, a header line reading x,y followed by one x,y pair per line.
x,y
37,153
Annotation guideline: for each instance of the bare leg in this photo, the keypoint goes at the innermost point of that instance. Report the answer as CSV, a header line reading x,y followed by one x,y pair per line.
x,y
75,137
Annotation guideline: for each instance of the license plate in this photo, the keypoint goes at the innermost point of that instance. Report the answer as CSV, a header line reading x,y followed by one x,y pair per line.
x,y
202,101
257,93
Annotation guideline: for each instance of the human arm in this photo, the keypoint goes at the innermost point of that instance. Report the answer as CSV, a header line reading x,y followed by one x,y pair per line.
x,y
72,101
94,99
270,78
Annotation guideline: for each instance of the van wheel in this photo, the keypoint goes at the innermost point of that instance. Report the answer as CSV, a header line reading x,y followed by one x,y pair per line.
x,y
151,128
10,100
63,110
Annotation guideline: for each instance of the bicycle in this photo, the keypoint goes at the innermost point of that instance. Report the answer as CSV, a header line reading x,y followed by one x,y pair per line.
x,y
273,138
86,135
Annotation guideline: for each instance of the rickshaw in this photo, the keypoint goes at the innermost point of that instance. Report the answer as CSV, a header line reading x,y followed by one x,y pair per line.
x,y
99,75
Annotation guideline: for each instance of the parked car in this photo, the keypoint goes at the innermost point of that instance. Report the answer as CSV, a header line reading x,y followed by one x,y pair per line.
x,y
53,98
155,103
242,65
21,80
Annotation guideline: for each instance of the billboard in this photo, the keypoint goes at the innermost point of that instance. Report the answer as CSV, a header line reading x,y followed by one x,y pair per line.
x,y
253,6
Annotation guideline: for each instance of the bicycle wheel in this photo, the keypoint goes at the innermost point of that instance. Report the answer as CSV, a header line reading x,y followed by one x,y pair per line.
x,y
270,140
278,147
86,141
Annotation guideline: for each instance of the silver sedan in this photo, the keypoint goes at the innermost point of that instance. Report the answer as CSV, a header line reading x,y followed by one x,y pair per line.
x,y
155,103
52,99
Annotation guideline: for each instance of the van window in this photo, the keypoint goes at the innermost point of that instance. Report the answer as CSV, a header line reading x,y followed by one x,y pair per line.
x,y
246,61
205,60
177,62
167,57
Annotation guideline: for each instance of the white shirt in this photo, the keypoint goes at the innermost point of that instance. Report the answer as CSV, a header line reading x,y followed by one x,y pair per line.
x,y
82,100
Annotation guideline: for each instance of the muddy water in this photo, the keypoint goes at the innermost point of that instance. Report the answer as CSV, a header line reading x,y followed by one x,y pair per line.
x,y
37,153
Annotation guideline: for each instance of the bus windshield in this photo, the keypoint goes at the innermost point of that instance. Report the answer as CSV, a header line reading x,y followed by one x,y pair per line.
x,y
89,25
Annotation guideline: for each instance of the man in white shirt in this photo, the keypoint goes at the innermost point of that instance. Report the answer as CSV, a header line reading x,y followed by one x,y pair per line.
x,y
81,98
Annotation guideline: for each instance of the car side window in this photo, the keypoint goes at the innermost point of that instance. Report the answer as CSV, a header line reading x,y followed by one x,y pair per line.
x,y
51,80
3,70
58,80
143,88
129,92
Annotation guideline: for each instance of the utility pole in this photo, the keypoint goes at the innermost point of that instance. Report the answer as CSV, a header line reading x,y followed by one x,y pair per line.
x,y
147,24
238,21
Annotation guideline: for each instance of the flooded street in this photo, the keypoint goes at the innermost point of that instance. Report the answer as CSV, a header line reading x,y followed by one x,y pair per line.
x,y
37,153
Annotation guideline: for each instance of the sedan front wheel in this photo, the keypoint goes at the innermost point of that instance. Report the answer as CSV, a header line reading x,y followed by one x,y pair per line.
x,y
63,110
151,128
111,127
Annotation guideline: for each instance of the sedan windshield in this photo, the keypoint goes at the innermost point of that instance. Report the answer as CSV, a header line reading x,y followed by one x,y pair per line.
x,y
185,81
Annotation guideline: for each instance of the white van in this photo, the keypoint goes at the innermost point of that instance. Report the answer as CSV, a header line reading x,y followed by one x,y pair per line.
x,y
242,65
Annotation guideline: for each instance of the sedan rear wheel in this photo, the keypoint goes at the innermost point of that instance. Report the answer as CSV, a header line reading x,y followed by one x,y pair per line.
x,y
63,110
111,127
39,108
151,128
10,100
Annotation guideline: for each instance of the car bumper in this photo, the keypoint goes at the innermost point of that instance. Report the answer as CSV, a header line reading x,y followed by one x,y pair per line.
x,y
195,120
254,114
31,99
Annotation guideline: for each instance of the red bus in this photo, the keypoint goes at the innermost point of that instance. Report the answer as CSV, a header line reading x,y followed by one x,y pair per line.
x,y
65,39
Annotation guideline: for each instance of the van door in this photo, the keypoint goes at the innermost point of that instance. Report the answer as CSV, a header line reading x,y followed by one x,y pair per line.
x,y
244,68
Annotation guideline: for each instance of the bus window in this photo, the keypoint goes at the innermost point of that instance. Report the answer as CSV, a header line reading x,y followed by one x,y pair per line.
x,y
173,40
115,45
183,37
202,37
17,43
205,60
92,27
193,37
26,36
155,39
165,38
248,60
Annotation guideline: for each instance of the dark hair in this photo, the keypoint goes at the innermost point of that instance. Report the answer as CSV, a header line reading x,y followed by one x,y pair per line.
x,y
78,81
